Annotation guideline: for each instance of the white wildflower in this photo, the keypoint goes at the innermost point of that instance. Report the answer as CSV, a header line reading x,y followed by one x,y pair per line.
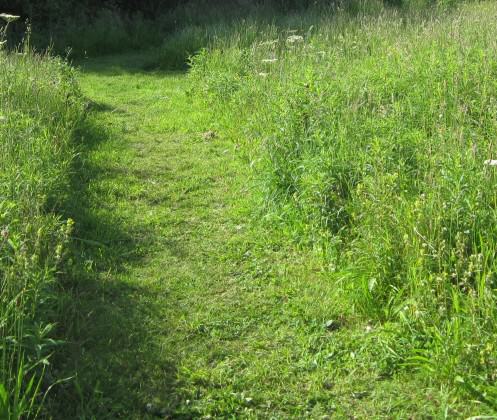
x,y
4,233
8,18
294,39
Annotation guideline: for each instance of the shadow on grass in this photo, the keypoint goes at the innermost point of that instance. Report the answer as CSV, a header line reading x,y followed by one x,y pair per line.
x,y
109,353
149,62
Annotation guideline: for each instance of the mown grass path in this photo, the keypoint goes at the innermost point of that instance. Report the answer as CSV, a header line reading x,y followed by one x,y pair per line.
x,y
156,203
187,308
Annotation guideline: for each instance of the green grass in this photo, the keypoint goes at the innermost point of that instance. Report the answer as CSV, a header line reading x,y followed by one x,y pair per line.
x,y
188,303
40,106
107,32
368,135
300,226
196,302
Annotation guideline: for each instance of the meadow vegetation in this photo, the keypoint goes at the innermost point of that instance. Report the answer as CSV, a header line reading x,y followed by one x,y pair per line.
x,y
368,131
40,106
300,225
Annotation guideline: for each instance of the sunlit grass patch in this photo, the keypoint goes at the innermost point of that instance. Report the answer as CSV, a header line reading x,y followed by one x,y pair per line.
x,y
40,106
368,134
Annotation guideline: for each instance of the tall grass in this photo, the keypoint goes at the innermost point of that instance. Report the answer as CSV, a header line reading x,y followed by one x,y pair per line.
x,y
40,106
107,32
369,130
